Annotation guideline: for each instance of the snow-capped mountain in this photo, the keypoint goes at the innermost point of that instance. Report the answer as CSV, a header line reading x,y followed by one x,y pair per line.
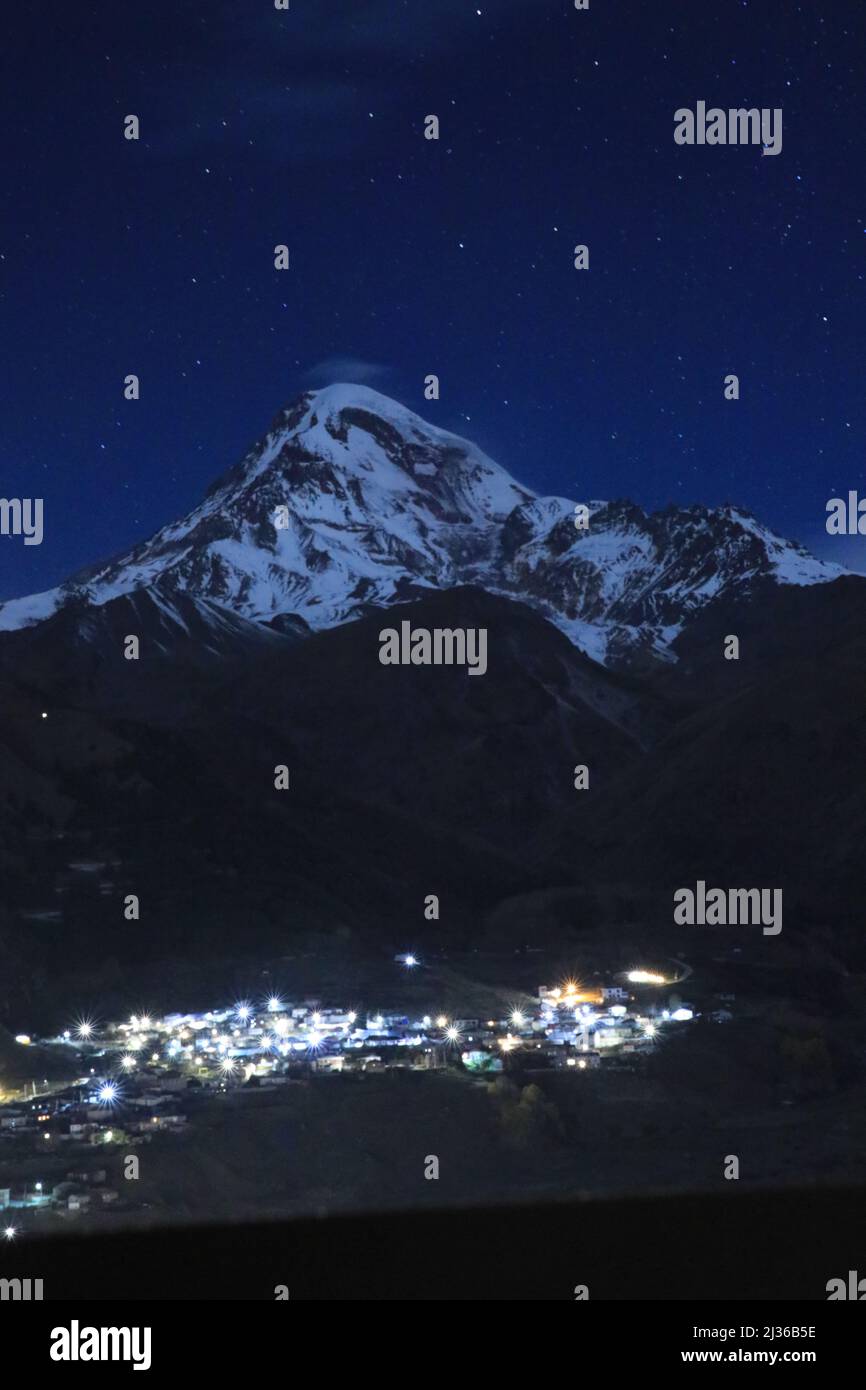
x,y
631,581
351,501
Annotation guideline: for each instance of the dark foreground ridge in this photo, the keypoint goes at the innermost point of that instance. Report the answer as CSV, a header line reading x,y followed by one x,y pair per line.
x,y
752,1246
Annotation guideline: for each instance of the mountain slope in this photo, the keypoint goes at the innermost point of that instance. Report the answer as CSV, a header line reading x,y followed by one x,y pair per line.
x,y
352,502
77,656
403,782
157,777
380,505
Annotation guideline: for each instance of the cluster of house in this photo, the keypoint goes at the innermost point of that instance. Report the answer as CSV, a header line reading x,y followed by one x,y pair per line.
x,y
143,1076
145,1072
149,1061
268,1046
78,1191
570,1027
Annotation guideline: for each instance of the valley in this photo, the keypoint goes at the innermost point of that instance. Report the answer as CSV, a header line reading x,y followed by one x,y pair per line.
x,y
152,780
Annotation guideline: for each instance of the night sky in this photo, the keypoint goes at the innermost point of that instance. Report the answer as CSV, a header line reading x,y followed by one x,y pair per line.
x,y
410,256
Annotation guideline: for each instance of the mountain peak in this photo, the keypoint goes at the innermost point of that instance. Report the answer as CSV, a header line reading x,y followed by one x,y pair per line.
x,y
326,405
353,502
348,395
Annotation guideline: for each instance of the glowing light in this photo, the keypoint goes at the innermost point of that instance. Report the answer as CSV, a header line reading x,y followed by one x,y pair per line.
x,y
242,1010
517,1019
10,1232
23,1039
452,1033
108,1093
645,977
650,1030
84,1028
682,1015
410,961
127,1062
441,1021
274,1004
352,1017
227,1066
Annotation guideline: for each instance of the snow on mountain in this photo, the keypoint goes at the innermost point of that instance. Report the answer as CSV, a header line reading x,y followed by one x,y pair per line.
x,y
352,501
631,580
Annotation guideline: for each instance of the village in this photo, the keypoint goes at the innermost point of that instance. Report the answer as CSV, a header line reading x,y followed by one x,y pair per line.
x,y
141,1080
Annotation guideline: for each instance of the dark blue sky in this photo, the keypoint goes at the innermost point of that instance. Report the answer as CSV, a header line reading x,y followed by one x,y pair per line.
x,y
410,256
